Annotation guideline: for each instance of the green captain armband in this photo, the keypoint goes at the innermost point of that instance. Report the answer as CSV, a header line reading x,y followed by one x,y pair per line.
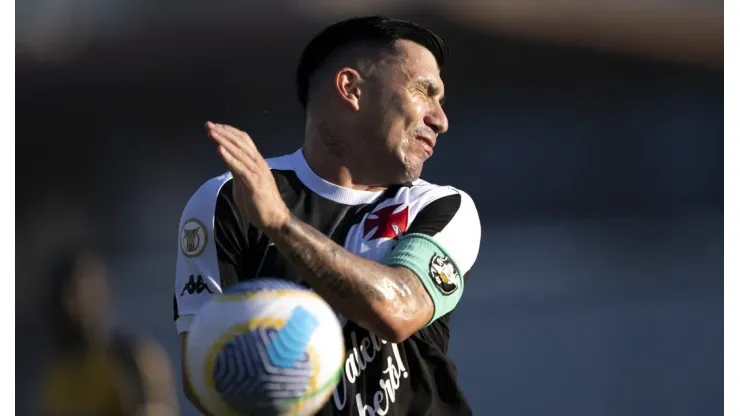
x,y
434,267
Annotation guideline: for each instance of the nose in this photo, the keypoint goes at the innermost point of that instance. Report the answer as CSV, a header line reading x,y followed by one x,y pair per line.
x,y
436,119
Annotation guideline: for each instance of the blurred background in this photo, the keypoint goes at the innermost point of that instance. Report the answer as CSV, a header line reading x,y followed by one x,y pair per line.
x,y
588,133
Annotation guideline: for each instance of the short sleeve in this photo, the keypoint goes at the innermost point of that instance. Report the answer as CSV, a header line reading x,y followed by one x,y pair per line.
x,y
210,243
440,247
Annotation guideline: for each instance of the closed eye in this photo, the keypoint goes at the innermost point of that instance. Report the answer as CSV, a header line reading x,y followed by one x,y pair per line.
x,y
432,89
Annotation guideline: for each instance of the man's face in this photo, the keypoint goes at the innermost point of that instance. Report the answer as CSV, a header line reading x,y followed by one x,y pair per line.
x,y
402,113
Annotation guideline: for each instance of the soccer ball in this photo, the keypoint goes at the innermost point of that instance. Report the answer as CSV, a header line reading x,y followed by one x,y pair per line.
x,y
265,347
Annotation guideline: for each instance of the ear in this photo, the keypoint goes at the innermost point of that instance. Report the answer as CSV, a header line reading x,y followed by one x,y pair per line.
x,y
347,83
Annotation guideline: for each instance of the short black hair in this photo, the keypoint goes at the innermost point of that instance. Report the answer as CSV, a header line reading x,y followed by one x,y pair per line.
x,y
373,29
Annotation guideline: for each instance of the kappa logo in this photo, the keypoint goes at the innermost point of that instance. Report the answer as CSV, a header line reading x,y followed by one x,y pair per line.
x,y
195,285
444,273
387,223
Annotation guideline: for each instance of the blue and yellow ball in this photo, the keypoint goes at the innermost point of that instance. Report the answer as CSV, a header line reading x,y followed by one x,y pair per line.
x,y
265,347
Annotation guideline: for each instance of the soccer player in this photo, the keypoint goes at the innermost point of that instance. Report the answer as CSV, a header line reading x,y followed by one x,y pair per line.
x,y
348,216
95,370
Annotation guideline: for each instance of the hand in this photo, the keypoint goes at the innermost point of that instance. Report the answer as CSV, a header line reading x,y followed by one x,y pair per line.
x,y
255,192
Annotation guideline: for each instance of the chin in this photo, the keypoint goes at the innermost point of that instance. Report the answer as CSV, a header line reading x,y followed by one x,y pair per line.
x,y
410,168
412,173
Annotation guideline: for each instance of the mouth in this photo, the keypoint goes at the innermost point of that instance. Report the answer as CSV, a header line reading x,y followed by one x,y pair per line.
x,y
428,144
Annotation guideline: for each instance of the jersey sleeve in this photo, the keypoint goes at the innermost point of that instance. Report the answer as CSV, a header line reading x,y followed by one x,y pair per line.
x,y
210,245
440,247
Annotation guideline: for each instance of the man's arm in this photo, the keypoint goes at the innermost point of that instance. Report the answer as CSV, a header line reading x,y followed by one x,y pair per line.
x,y
393,300
406,290
390,301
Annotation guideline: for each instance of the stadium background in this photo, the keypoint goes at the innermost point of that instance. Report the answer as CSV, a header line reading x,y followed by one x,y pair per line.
x,y
590,136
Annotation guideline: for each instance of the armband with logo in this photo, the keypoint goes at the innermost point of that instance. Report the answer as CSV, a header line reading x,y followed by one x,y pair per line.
x,y
435,268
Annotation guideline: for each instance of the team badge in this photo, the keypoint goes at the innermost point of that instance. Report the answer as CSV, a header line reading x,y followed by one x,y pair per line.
x,y
387,223
444,274
193,238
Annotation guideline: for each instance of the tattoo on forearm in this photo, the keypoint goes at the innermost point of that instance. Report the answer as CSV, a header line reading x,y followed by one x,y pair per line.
x,y
349,279
317,260
313,260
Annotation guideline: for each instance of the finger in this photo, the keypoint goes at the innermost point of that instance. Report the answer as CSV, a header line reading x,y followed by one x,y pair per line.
x,y
242,136
221,140
242,156
234,141
223,134
246,143
217,133
220,137
236,166
225,137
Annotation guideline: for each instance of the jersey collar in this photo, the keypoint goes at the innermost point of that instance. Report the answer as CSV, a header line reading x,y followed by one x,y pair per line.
x,y
327,189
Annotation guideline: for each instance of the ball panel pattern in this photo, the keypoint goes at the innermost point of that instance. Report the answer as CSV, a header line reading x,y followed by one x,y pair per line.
x,y
266,346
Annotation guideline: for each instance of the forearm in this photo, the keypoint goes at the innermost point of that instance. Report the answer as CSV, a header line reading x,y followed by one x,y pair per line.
x,y
363,290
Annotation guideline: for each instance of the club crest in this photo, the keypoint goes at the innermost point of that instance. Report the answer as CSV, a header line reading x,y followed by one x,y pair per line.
x,y
445,276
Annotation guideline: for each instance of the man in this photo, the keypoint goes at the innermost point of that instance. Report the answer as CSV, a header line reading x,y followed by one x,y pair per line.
x,y
94,370
348,216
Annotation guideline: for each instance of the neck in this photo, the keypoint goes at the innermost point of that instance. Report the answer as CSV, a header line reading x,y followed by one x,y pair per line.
x,y
331,158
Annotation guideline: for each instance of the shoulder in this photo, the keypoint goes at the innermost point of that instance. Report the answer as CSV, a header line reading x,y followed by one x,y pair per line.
x,y
444,200
202,203
432,191
448,215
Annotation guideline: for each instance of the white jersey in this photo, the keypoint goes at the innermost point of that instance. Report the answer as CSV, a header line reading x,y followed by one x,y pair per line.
x,y
431,229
